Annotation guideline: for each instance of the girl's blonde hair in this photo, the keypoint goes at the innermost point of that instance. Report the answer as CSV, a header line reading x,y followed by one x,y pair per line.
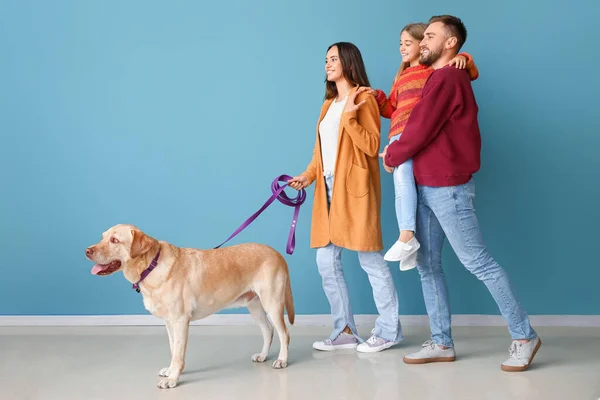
x,y
417,31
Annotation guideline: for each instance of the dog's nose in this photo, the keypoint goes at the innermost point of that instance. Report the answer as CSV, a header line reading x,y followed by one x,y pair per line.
x,y
89,251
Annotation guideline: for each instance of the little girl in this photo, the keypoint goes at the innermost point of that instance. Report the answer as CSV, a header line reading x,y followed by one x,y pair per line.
x,y
405,93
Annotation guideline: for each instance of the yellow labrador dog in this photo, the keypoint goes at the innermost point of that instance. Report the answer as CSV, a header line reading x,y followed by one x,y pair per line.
x,y
181,285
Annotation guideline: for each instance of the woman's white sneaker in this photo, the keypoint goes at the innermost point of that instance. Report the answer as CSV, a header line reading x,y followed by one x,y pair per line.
x,y
374,344
431,352
344,341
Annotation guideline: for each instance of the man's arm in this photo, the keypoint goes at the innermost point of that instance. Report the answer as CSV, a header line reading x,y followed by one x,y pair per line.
x,y
426,120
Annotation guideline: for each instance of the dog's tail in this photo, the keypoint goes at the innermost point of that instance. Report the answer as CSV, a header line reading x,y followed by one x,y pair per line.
x,y
289,302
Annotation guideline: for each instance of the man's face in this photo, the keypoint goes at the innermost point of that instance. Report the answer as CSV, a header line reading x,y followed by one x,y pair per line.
x,y
433,43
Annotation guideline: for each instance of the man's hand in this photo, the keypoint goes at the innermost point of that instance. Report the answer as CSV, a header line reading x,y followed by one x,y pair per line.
x,y
385,166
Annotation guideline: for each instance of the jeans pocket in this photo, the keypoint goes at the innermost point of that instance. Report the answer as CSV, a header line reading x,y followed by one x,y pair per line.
x,y
464,196
469,189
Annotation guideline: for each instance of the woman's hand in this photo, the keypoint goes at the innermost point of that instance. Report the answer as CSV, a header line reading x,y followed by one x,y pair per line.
x,y
299,182
459,61
350,103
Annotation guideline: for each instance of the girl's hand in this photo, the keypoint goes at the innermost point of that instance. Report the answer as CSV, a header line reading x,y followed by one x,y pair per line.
x,y
370,91
350,106
459,62
299,182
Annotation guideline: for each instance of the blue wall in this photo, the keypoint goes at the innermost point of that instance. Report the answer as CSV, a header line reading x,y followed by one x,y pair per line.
x,y
176,116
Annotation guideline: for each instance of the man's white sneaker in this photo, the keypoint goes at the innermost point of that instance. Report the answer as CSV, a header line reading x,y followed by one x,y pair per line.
x,y
430,352
400,250
521,355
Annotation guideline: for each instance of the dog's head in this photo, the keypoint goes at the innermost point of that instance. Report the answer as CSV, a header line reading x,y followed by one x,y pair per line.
x,y
119,245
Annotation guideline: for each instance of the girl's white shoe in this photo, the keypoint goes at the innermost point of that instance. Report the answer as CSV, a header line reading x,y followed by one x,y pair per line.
x,y
401,251
408,263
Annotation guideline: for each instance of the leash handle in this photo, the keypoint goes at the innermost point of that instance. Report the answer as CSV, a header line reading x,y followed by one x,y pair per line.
x,y
278,194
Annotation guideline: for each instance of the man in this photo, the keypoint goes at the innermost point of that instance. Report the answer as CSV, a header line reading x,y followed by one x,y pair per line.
x,y
442,137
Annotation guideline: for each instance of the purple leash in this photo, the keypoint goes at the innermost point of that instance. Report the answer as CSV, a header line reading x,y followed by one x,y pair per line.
x,y
278,194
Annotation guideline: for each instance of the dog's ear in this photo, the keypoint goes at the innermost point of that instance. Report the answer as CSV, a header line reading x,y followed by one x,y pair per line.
x,y
140,243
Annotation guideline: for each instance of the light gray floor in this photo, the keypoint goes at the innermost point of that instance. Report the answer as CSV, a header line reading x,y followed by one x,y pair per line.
x,y
123,362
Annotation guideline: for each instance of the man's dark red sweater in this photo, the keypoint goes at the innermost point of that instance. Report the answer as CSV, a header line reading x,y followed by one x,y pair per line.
x,y
442,134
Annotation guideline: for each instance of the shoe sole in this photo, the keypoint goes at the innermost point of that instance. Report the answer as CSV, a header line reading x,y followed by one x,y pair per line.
x,y
402,258
407,269
428,360
508,368
334,348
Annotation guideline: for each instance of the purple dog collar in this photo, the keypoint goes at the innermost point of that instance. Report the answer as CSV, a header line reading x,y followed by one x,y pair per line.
x,y
146,272
278,194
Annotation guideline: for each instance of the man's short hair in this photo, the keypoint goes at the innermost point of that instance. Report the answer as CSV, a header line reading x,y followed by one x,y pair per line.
x,y
455,27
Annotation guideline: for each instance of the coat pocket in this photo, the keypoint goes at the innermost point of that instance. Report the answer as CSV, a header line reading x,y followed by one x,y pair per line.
x,y
358,181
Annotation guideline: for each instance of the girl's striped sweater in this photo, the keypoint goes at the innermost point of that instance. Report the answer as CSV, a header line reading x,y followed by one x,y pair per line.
x,y
406,92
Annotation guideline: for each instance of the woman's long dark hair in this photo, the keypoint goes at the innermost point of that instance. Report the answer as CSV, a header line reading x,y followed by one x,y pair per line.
x,y
353,68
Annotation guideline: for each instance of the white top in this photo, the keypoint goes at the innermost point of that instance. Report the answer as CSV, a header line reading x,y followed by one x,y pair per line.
x,y
328,131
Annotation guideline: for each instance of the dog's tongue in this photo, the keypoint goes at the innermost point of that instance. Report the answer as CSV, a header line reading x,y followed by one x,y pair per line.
x,y
98,268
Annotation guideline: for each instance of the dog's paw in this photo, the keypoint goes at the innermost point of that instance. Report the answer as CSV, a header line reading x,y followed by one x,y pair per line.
x,y
279,364
259,358
165,372
167,383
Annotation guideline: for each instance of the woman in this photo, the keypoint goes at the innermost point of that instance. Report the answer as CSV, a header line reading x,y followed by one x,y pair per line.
x,y
346,214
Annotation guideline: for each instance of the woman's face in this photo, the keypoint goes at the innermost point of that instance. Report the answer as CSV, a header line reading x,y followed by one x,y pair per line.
x,y
409,48
333,65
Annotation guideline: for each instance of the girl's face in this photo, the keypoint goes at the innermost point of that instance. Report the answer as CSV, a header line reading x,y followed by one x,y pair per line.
x,y
333,65
409,48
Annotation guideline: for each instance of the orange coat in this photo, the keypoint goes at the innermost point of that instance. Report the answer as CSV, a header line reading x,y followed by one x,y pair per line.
x,y
353,222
